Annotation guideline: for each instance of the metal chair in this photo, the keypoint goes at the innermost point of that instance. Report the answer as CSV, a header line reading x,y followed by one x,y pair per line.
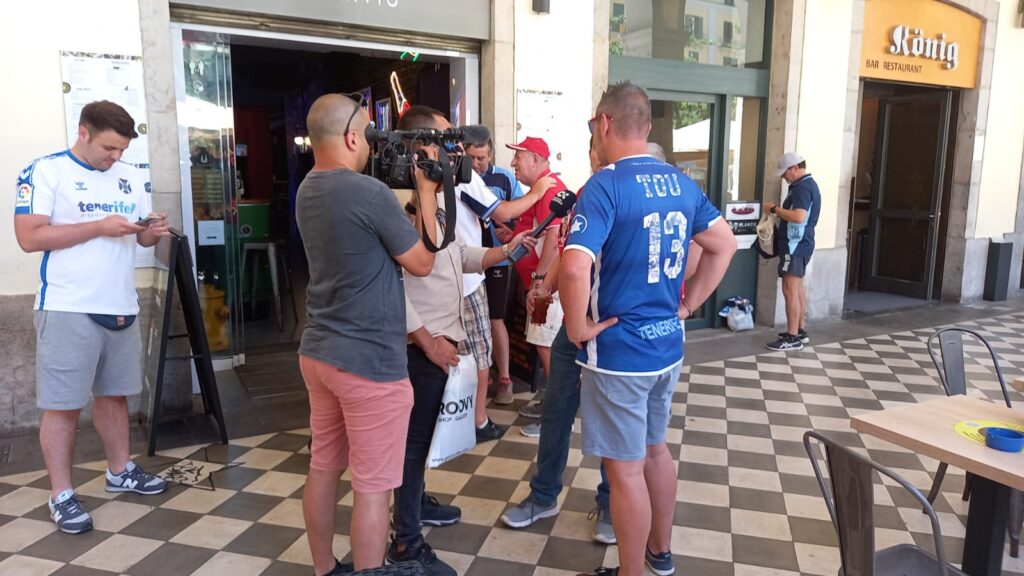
x,y
950,365
851,504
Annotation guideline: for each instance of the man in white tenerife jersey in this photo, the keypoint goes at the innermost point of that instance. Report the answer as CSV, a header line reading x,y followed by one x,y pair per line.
x,y
624,260
85,210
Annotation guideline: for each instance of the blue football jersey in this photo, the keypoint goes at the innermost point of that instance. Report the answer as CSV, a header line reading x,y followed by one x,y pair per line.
x,y
635,218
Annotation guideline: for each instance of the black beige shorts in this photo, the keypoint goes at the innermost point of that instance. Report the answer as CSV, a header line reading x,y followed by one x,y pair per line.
x,y
499,286
790,265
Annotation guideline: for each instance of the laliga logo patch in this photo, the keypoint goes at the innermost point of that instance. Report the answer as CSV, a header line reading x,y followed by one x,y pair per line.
x,y
579,224
24,196
124,185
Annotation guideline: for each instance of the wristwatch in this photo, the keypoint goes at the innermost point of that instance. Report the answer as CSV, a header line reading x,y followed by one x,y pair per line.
x,y
773,209
535,276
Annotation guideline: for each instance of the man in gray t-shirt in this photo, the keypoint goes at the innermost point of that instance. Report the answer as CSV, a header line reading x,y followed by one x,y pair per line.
x,y
353,227
352,354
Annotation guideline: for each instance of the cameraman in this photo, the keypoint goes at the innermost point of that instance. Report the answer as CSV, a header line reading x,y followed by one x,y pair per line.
x,y
357,240
435,320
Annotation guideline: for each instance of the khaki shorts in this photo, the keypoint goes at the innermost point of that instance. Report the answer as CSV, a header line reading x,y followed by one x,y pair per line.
x,y
544,334
77,358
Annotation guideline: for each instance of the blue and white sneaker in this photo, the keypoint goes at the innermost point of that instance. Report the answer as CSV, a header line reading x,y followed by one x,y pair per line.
x,y
68,514
660,564
135,479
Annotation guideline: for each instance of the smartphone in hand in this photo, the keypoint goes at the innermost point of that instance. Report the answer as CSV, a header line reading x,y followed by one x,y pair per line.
x,y
147,221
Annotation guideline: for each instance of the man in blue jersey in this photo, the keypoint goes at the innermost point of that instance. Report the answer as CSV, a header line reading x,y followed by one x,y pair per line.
x,y
794,243
620,279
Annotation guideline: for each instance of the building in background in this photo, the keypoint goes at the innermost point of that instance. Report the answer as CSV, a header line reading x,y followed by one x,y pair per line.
x,y
904,109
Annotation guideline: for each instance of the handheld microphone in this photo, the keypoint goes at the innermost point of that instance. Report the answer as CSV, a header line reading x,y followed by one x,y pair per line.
x,y
560,206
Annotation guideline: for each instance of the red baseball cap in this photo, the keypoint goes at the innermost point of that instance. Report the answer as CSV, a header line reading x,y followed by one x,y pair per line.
x,y
536,145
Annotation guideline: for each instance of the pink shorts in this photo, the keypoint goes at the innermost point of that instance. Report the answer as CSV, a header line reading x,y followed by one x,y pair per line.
x,y
359,423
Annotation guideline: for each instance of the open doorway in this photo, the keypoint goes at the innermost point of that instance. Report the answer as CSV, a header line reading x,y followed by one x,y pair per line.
x,y
273,89
897,223
242,104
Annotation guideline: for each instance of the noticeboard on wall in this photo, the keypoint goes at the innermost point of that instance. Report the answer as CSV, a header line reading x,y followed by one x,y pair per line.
x,y
89,77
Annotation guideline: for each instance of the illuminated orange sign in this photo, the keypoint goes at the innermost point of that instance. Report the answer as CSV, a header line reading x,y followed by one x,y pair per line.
x,y
920,41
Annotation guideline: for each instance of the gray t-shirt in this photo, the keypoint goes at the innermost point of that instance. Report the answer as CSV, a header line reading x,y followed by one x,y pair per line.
x,y
352,227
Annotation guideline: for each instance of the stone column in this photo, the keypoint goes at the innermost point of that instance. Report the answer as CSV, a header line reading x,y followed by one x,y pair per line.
x,y
161,107
497,82
963,275
602,15
782,107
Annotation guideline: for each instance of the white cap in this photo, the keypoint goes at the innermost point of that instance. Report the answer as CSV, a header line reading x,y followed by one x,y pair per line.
x,y
788,160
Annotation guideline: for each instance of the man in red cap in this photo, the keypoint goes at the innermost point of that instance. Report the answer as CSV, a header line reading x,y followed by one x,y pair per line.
x,y
530,165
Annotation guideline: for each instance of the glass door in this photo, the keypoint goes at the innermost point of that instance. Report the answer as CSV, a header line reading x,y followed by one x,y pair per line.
x,y
209,194
687,128
903,235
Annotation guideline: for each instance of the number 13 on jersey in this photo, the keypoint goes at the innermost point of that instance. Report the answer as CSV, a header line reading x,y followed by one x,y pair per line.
x,y
674,223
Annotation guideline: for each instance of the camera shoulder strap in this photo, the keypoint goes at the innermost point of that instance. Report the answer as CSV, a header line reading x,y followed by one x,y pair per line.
x,y
450,206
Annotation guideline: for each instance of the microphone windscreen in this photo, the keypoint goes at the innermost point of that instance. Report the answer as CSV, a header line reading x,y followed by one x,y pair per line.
x,y
562,203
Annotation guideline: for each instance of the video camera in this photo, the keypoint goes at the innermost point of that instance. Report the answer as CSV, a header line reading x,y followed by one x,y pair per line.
x,y
393,158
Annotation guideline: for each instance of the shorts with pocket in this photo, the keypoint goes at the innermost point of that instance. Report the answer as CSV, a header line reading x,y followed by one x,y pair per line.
x,y
624,414
478,328
77,358
357,423
544,334
790,265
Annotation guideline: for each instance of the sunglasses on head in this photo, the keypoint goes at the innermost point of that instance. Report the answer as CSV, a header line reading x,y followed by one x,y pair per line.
x,y
360,98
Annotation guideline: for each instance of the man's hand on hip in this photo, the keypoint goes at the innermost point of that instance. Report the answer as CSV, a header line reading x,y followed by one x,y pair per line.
x,y
445,354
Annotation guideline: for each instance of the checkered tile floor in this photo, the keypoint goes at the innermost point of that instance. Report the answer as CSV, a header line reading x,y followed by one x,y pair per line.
x,y
747,500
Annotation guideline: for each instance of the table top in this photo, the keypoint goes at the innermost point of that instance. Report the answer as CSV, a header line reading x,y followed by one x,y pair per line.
x,y
928,428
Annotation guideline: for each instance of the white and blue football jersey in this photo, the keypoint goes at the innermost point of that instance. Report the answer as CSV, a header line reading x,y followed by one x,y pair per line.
x,y
635,219
97,276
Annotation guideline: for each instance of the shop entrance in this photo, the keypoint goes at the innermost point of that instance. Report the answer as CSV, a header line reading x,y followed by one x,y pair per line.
x,y
897,214
242,104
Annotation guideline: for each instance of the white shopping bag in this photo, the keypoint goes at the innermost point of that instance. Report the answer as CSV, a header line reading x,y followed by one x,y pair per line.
x,y
456,426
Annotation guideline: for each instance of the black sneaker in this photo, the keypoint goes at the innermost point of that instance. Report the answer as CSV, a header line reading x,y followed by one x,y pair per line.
x,y
423,555
341,569
433,513
804,338
786,343
407,568
68,514
602,571
490,431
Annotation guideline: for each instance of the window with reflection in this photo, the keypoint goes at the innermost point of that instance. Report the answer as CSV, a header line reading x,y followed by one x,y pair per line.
x,y
715,32
744,131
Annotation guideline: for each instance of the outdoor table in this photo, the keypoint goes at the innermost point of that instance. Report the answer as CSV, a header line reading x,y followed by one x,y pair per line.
x,y
929,428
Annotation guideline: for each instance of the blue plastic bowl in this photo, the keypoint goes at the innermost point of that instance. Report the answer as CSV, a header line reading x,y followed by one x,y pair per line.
x,y
1004,439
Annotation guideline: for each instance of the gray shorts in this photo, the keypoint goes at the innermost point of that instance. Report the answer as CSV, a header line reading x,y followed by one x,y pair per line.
x,y
76,358
623,415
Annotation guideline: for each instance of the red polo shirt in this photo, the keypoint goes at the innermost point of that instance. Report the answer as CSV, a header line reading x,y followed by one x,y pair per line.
x,y
530,220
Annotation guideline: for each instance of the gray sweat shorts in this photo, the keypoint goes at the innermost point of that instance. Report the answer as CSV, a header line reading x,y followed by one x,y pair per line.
x,y
76,358
623,414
